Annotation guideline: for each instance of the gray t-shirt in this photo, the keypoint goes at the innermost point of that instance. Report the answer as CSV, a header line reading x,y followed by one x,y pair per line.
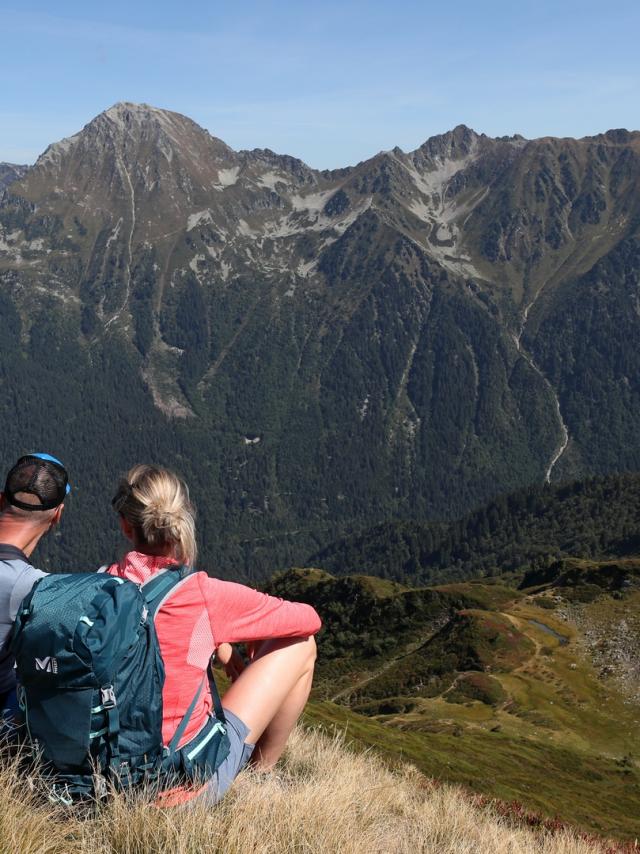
x,y
17,577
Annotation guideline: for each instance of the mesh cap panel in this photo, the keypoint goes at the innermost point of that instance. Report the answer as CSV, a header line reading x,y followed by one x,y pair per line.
x,y
45,479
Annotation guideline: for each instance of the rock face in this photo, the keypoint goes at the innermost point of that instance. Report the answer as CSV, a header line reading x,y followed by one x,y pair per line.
x,y
405,337
10,172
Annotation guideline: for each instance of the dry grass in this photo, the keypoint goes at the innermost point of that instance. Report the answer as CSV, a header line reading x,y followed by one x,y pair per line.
x,y
323,798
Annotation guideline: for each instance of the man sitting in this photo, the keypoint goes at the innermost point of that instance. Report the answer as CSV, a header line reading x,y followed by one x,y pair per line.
x,y
30,506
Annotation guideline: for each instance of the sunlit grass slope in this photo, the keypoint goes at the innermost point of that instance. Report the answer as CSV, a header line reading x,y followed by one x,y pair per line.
x,y
525,695
323,798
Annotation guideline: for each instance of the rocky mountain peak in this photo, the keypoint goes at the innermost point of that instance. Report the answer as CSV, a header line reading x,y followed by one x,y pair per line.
x,y
617,137
142,122
452,145
125,156
139,121
128,112
138,130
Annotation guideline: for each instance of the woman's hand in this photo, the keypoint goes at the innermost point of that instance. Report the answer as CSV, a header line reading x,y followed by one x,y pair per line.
x,y
231,660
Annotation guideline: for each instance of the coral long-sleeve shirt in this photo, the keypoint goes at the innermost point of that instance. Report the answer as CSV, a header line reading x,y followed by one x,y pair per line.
x,y
197,617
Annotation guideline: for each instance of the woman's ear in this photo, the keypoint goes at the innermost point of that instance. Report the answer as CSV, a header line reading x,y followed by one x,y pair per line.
x,y
127,528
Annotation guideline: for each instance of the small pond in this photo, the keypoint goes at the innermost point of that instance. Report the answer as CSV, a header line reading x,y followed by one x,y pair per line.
x,y
563,640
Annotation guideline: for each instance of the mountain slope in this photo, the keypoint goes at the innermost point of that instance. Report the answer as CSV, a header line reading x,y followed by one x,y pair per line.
x,y
404,338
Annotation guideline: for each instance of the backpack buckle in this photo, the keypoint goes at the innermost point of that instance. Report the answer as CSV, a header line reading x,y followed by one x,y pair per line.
x,y
108,697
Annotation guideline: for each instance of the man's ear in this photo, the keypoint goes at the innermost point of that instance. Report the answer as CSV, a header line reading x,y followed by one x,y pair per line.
x,y
55,519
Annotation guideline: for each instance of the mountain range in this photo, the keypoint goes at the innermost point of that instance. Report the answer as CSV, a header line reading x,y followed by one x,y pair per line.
x,y
316,350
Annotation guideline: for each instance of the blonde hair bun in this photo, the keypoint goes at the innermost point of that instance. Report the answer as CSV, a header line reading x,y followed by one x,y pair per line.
x,y
156,503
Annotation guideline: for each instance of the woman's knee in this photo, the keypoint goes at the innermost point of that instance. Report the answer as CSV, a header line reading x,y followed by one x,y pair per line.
x,y
279,676
312,650
304,649
306,652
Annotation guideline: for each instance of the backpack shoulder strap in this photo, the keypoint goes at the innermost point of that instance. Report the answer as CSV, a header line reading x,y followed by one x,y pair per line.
x,y
220,716
157,588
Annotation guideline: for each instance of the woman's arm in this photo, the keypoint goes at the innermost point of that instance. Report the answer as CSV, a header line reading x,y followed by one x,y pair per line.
x,y
239,613
230,659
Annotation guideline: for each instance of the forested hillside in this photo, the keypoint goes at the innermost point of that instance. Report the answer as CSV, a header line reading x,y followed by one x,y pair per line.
x,y
529,528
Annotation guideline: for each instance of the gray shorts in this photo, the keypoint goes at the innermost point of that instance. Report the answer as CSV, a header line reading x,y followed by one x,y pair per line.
x,y
239,755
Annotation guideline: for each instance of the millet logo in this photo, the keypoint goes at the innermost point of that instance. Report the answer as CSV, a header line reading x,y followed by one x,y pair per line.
x,y
48,664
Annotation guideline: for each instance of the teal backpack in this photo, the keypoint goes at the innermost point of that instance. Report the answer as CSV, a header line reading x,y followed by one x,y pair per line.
x,y
90,680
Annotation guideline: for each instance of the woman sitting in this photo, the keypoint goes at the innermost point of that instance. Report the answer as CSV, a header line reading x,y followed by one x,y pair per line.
x,y
203,615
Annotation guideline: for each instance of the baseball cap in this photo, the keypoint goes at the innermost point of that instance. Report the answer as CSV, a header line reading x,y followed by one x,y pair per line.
x,y
40,475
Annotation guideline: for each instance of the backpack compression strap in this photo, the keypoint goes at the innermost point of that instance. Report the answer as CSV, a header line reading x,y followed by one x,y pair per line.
x,y
157,588
175,741
155,592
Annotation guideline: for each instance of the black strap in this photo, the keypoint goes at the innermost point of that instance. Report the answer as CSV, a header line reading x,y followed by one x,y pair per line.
x,y
217,703
113,738
22,505
9,552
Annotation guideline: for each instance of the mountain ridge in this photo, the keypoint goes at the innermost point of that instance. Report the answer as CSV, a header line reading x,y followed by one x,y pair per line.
x,y
117,112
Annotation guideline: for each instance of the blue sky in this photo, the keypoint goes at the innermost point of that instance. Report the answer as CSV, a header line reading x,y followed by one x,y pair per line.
x,y
330,82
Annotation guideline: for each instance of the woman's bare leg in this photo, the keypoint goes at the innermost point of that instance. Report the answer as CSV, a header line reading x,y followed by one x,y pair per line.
x,y
272,742
271,693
